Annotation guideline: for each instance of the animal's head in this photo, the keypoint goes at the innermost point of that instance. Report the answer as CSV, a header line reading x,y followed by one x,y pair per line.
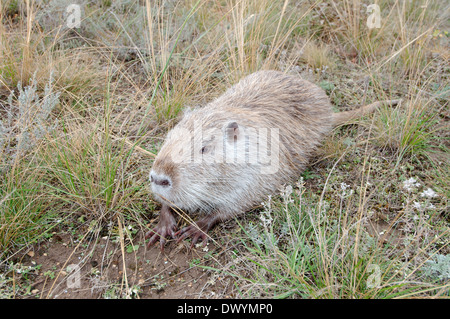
x,y
200,162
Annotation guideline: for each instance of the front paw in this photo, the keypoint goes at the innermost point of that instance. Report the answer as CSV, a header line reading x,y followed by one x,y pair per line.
x,y
161,231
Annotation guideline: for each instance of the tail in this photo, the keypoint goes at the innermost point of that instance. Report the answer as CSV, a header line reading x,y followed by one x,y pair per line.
x,y
343,117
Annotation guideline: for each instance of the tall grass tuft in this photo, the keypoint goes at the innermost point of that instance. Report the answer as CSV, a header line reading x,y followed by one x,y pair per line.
x,y
406,131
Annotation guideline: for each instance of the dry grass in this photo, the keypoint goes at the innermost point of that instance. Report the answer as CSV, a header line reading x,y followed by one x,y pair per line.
x,y
126,75
318,57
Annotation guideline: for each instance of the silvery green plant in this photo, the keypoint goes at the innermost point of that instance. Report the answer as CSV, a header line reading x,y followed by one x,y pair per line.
x,y
27,118
438,267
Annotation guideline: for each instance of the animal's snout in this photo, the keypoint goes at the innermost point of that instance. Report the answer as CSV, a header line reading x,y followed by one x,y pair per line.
x,y
160,180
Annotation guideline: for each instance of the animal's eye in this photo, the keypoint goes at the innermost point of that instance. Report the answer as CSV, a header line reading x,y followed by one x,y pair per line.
x,y
209,145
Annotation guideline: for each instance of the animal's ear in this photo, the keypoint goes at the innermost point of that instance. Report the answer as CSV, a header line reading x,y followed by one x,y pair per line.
x,y
232,132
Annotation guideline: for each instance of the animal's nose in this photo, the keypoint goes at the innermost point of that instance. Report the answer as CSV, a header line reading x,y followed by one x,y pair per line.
x,y
159,180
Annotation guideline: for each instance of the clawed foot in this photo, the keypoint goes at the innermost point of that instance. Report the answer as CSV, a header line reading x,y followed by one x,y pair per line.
x,y
160,232
166,227
197,231
194,232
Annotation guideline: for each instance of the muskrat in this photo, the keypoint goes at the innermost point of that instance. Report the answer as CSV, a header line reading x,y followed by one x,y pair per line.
x,y
225,158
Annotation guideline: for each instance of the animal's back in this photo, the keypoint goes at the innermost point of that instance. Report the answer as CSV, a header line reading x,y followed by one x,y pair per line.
x,y
270,99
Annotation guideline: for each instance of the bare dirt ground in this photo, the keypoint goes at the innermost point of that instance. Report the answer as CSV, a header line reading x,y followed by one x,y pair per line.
x,y
148,273
94,268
